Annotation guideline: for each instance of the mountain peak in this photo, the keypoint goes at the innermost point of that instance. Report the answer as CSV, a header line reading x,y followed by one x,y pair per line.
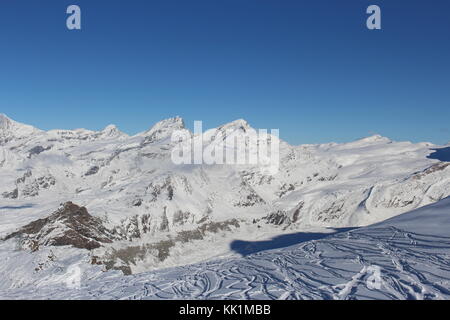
x,y
111,127
175,123
368,141
111,131
239,124
9,127
375,138
163,129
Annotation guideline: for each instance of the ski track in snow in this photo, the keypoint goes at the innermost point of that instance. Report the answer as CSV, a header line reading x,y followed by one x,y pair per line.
x,y
413,266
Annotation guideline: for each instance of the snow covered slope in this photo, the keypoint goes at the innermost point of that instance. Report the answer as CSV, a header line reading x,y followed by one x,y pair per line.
x,y
406,257
150,213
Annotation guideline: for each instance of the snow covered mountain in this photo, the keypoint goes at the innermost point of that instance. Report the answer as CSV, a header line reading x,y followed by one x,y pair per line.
x,y
117,201
406,257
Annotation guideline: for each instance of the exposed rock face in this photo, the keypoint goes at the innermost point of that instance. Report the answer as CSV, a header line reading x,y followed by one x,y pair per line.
x,y
37,150
124,258
434,168
32,189
70,225
93,170
277,218
11,195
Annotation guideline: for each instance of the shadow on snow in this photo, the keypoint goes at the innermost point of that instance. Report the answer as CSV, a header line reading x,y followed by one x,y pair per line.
x,y
442,154
246,248
25,206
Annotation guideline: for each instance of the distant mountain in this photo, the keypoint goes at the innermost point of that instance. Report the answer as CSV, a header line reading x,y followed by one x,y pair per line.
x,y
150,213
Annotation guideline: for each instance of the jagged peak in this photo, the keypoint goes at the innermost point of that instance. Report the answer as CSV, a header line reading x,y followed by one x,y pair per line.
x,y
111,131
162,129
111,127
239,124
170,124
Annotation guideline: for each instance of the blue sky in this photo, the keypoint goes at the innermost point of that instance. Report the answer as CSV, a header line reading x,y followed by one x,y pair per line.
x,y
310,68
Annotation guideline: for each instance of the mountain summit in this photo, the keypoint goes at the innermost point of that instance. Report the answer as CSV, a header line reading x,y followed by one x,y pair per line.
x,y
163,129
10,128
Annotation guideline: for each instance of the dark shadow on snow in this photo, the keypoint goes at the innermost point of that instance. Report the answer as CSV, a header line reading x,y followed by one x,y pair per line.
x,y
245,248
25,206
442,154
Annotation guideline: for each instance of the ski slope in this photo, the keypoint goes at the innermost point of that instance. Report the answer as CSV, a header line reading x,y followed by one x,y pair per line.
x,y
411,252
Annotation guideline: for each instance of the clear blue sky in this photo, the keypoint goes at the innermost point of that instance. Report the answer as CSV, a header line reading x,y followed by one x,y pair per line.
x,y
310,68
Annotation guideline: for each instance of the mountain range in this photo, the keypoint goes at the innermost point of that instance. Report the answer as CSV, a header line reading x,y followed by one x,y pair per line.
x,y
118,204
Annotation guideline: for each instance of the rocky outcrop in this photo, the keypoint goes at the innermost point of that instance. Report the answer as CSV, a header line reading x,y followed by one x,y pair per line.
x,y
42,183
440,166
71,225
92,170
11,195
124,258
37,150
277,218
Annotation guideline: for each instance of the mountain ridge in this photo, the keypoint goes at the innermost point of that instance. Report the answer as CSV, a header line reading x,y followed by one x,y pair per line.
x,y
161,212
177,123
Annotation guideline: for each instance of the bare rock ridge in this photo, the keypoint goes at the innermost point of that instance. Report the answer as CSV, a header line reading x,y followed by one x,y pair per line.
x,y
70,225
